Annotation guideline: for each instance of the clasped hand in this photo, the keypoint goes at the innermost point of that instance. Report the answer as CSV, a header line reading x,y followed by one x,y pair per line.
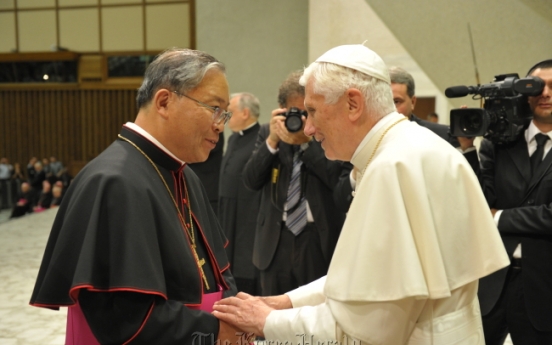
x,y
247,312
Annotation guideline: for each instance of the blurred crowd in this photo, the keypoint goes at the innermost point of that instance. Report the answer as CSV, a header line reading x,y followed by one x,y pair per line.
x,y
38,186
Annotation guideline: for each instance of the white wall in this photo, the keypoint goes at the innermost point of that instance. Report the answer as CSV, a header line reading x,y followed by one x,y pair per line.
x,y
259,41
334,22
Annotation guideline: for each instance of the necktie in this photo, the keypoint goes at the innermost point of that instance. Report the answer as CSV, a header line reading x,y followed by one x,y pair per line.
x,y
296,203
537,156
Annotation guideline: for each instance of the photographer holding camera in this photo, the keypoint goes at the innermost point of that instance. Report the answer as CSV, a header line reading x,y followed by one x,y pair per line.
x,y
516,178
298,225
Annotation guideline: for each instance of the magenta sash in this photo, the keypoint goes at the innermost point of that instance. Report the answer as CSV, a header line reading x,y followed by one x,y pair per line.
x,y
208,301
78,332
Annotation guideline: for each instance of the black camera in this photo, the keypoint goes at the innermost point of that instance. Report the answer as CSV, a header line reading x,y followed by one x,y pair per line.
x,y
506,110
294,121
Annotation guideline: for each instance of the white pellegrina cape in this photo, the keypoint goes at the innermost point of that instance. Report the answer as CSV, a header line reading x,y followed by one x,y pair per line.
x,y
418,237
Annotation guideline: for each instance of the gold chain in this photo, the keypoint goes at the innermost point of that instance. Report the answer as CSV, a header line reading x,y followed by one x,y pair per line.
x,y
378,144
190,230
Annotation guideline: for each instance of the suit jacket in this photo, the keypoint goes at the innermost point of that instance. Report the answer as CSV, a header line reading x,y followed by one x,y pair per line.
x,y
321,176
209,171
441,130
526,201
239,205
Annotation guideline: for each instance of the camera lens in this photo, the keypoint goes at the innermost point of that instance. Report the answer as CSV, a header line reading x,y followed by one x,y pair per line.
x,y
294,122
294,119
471,123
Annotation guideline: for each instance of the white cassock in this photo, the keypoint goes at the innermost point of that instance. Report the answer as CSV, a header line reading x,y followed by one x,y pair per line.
x,y
417,238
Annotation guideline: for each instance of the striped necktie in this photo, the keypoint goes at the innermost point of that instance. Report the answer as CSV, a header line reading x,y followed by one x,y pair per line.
x,y
296,204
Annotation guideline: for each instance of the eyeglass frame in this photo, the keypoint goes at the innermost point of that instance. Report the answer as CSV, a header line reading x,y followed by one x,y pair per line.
x,y
223,116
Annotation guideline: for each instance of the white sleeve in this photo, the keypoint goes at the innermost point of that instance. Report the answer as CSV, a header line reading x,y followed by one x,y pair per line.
x,y
310,294
369,322
312,325
273,151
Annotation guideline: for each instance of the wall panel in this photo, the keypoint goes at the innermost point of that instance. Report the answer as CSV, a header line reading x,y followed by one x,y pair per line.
x,y
79,29
122,29
74,125
37,30
168,26
7,29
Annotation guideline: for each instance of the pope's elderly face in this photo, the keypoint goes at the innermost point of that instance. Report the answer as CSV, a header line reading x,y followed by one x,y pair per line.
x,y
326,123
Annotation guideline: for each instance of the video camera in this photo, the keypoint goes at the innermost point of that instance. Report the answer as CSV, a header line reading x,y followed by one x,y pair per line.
x,y
505,113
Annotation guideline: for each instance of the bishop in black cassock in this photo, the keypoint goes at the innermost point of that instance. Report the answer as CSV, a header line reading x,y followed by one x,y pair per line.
x,y
238,209
239,205
136,251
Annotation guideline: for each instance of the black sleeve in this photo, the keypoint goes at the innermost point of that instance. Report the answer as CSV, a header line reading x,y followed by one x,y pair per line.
x,y
473,160
117,317
523,219
258,168
485,171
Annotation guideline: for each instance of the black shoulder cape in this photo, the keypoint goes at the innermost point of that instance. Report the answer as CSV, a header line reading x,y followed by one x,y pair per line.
x,y
117,229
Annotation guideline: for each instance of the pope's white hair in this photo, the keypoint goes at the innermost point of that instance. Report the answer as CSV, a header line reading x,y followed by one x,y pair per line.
x,y
331,81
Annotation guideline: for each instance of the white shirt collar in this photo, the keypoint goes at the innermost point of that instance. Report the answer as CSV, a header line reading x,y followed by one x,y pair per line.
x,y
532,130
246,128
148,136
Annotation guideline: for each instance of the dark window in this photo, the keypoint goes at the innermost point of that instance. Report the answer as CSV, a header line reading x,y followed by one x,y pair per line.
x,y
38,72
128,65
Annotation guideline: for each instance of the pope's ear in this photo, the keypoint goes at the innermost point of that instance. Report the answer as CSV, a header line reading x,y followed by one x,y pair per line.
x,y
161,101
355,103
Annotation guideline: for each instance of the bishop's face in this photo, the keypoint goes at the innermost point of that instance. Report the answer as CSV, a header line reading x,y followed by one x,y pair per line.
x,y
541,105
193,131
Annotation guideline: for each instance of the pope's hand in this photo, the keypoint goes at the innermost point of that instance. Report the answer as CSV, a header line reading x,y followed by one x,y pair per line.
x,y
278,302
243,311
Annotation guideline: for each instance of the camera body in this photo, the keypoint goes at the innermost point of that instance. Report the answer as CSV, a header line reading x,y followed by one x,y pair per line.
x,y
506,110
294,120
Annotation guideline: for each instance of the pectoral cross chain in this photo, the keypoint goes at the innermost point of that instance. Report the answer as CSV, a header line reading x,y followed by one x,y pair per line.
x,y
200,263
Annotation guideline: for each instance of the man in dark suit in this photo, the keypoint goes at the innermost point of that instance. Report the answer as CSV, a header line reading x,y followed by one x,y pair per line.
x,y
298,224
517,182
403,87
239,205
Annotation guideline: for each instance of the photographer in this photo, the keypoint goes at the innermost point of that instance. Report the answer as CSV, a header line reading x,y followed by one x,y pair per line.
x,y
298,225
516,179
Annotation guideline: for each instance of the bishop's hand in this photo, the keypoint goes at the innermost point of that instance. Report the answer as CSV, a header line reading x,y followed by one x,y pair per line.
x,y
229,334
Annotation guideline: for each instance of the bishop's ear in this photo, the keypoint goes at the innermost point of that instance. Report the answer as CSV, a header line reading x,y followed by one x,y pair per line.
x,y
162,100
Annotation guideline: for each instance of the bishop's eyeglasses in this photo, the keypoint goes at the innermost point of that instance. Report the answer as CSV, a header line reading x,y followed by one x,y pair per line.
x,y
219,115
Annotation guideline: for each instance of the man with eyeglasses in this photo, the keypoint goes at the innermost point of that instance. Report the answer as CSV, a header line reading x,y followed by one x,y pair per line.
x,y
136,252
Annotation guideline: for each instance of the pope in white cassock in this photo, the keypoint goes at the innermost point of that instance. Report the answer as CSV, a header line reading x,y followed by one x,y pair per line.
x,y
417,238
